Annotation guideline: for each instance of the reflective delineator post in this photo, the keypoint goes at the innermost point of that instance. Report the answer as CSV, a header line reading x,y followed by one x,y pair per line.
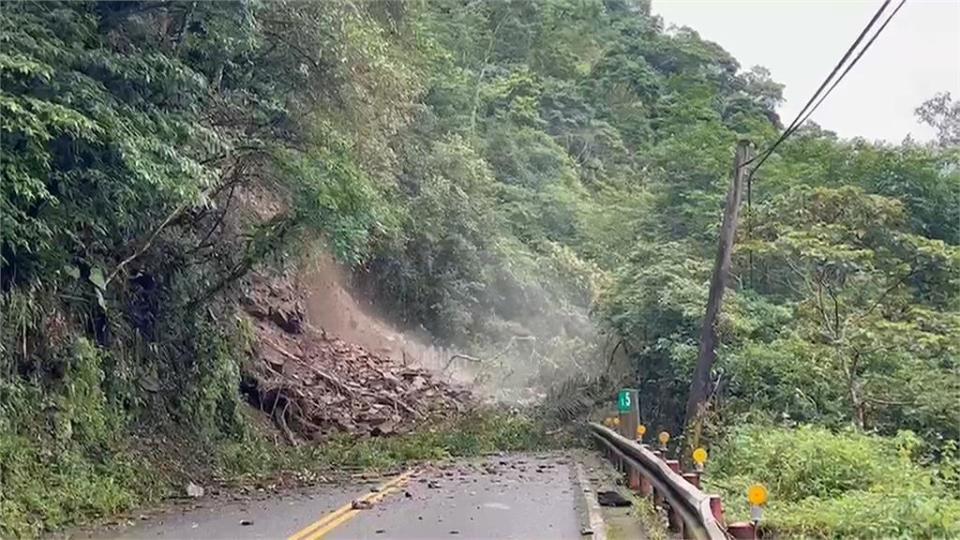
x,y
757,497
699,457
664,438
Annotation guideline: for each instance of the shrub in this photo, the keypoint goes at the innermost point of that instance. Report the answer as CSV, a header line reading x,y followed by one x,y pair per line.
x,y
828,484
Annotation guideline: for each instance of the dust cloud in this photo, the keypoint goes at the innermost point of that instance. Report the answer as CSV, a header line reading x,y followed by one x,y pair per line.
x,y
331,305
517,370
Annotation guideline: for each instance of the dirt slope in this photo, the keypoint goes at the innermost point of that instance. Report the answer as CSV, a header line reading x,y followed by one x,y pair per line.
x,y
324,364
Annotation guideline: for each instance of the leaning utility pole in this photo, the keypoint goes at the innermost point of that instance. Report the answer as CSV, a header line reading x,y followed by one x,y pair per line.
x,y
699,386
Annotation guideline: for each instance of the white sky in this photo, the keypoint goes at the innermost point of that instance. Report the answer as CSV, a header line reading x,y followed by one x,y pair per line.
x,y
800,41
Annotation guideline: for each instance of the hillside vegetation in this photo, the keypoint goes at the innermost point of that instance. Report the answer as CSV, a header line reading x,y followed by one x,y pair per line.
x,y
545,177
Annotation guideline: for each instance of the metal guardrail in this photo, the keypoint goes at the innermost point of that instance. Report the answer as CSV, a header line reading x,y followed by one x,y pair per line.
x,y
690,511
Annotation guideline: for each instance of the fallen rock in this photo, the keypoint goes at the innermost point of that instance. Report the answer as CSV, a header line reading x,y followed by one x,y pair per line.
x,y
361,504
315,385
194,491
612,498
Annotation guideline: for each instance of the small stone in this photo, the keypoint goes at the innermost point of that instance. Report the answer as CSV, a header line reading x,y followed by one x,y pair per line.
x,y
586,531
380,531
612,498
454,531
361,504
246,522
194,491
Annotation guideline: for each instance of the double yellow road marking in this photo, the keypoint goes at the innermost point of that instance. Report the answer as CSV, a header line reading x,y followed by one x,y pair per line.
x,y
331,521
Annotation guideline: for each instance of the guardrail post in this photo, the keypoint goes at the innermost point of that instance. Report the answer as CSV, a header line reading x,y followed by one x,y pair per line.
x,y
716,507
743,530
673,517
633,479
693,478
674,521
646,488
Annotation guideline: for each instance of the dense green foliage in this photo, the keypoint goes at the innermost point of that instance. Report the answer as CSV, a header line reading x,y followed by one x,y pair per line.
x,y
492,171
826,484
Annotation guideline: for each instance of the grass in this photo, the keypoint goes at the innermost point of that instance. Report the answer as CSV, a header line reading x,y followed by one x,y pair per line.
x,y
473,434
80,440
650,519
832,485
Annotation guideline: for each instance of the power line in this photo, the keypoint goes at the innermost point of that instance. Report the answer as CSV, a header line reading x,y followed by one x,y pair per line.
x,y
804,114
816,99
854,62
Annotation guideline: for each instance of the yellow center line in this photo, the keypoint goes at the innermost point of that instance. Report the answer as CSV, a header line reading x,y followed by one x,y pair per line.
x,y
346,512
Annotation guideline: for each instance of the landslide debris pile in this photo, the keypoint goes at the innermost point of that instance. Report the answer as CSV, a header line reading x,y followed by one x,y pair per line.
x,y
314,385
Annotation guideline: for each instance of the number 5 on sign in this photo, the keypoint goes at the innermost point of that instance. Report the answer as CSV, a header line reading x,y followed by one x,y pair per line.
x,y
623,401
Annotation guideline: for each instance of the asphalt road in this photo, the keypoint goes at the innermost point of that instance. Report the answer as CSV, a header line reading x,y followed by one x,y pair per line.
x,y
510,497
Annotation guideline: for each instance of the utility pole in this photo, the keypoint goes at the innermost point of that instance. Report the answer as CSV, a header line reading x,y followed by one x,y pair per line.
x,y
700,385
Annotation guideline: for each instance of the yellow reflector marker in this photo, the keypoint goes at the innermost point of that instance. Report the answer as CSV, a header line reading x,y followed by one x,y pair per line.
x,y
700,456
616,421
664,437
757,495
641,431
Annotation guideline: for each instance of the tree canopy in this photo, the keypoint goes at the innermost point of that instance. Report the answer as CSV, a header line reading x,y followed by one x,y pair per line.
x,y
550,170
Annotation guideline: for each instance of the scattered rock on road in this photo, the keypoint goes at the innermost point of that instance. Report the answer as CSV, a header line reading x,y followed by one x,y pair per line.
x,y
194,491
361,504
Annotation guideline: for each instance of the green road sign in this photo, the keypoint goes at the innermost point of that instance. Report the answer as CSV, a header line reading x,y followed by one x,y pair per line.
x,y
623,401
